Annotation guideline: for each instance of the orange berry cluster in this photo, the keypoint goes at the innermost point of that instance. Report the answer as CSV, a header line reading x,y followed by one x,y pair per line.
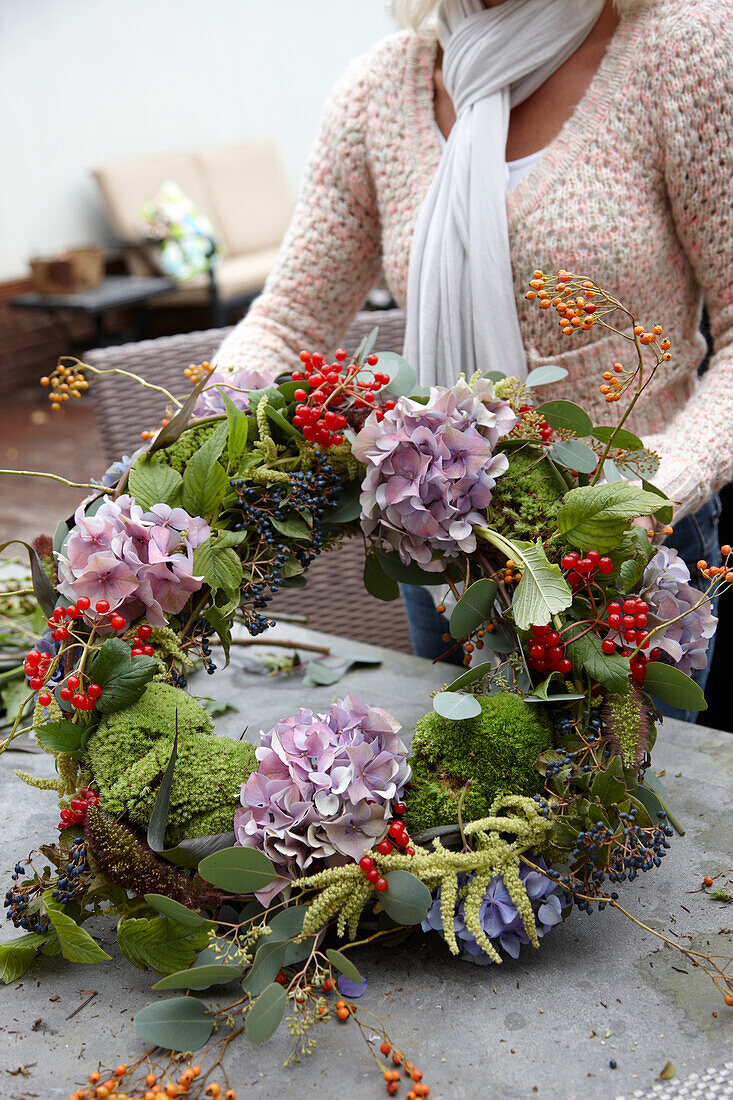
x,y
196,371
575,310
392,1076
149,1089
615,382
711,572
64,383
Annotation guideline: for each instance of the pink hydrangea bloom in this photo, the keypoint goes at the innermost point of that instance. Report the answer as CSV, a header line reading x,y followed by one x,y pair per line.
x,y
431,469
140,562
325,786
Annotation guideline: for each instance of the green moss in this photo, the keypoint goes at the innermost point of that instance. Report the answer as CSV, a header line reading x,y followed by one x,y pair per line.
x,y
526,498
497,751
178,454
130,750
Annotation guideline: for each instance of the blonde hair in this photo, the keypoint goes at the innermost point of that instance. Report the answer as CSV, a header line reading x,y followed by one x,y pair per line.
x,y
418,15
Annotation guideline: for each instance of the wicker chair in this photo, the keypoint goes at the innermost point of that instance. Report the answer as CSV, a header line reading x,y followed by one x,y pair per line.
x,y
124,408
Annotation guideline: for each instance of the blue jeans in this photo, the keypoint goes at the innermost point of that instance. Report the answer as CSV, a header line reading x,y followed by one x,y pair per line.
x,y
694,537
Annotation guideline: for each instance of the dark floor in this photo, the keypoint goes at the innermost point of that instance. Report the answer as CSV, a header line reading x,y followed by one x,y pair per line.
x,y
34,438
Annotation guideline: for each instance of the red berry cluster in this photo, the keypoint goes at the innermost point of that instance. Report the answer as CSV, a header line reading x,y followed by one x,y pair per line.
x,y
334,388
77,814
140,644
398,837
72,692
582,570
546,652
36,666
627,624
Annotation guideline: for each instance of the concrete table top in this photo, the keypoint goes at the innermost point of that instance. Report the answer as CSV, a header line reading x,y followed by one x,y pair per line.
x,y
546,1025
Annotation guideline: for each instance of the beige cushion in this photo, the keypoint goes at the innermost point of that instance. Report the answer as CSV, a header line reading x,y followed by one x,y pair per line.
x,y
128,184
235,276
250,193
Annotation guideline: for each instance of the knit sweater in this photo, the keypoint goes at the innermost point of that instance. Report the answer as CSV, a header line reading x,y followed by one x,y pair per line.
x,y
634,192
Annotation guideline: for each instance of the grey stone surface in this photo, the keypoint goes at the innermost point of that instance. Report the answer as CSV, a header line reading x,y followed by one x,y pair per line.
x,y
598,989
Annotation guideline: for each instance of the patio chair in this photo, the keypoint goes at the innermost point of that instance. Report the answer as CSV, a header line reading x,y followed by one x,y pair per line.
x,y
334,599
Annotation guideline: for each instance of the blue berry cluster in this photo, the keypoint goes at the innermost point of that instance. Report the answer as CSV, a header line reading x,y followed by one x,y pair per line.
x,y
262,509
18,900
72,880
202,632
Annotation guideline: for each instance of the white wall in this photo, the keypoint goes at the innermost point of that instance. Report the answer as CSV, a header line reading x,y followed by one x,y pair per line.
x,y
87,81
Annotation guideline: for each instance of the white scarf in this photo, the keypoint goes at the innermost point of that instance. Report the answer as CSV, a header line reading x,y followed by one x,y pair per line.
x,y
461,306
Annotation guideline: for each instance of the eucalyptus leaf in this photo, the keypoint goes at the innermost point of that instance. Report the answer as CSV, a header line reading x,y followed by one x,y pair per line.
x,y
269,958
263,1018
238,870
470,676
545,376
377,582
200,977
402,376
574,455
189,853
667,683
473,608
637,464
343,964
408,574
406,899
366,346
567,416
180,1023
456,707
622,438
177,912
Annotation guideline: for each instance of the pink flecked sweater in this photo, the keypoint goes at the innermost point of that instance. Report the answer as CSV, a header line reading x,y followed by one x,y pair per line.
x,y
635,191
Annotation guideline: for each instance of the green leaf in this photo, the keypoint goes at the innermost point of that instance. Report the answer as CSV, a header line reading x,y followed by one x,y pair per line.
x,y
180,1023
456,707
607,788
152,482
76,945
612,671
622,439
542,591
597,516
200,977
344,964
222,626
470,676
667,683
365,347
16,956
348,507
408,574
473,608
545,376
402,376
60,737
122,678
666,512
220,567
238,429
59,536
159,816
632,557
238,870
278,418
159,943
263,1018
189,853
574,455
268,960
293,527
177,912
406,899
322,675
566,415
377,582
205,480
654,783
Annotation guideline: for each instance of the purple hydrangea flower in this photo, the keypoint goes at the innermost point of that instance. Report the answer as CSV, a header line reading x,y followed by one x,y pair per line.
x,y
324,787
140,562
431,469
666,588
500,918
